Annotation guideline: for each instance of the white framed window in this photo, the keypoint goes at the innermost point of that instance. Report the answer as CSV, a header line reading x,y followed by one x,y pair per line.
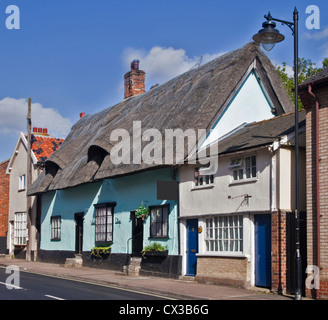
x,y
22,182
104,223
243,168
224,234
20,228
201,178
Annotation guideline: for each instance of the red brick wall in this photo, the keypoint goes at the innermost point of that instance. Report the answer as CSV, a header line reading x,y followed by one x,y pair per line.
x,y
4,198
322,95
279,262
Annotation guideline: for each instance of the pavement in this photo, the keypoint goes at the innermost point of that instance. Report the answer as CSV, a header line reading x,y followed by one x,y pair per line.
x,y
181,289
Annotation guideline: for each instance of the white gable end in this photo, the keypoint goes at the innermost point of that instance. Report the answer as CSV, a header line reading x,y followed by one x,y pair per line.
x,y
249,104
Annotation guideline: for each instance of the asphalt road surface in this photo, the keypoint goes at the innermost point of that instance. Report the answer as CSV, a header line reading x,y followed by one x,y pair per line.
x,y
29,286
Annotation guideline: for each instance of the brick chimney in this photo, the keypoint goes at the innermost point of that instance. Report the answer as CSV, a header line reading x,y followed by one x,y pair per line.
x,y
134,81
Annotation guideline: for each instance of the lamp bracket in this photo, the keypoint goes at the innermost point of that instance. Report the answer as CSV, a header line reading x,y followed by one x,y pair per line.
x,y
291,25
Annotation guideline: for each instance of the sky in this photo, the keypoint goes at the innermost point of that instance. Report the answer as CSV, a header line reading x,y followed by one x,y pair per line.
x,y
70,56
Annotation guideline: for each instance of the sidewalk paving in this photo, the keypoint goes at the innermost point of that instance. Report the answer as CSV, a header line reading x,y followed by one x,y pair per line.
x,y
179,289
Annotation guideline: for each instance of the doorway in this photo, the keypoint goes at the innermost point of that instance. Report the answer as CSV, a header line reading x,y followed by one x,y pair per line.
x,y
137,235
192,247
78,232
263,250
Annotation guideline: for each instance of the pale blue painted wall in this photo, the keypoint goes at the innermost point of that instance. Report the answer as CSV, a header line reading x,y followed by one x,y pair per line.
x,y
128,192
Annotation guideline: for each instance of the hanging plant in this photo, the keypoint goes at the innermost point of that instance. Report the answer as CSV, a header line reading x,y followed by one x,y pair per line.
x,y
142,212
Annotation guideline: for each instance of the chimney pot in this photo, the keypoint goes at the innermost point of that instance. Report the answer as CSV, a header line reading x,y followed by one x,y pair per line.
x,y
35,129
82,114
135,65
45,130
39,130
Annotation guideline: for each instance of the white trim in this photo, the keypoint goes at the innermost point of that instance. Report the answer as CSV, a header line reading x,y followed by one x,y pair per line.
x,y
15,152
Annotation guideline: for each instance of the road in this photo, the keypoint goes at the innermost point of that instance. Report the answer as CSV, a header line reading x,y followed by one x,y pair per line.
x,y
31,286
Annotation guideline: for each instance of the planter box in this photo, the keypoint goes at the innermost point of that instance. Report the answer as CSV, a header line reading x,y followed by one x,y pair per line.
x,y
156,253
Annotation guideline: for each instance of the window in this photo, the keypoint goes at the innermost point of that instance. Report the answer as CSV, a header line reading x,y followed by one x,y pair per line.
x,y
55,228
159,221
243,169
224,234
20,228
104,223
202,179
22,182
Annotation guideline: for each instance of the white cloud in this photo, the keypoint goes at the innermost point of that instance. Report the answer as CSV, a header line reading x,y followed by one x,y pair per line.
x,y
317,35
162,64
13,113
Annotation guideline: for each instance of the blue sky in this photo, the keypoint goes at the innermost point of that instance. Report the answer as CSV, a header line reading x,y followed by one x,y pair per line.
x,y
70,56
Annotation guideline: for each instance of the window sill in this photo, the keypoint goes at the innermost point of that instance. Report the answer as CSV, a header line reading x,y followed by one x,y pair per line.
x,y
236,182
222,254
207,186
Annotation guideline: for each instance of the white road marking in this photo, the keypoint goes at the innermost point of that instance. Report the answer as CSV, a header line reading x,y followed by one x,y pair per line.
x,y
53,297
11,285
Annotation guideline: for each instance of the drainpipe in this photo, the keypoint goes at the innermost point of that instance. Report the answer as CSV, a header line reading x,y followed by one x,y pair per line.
x,y
317,175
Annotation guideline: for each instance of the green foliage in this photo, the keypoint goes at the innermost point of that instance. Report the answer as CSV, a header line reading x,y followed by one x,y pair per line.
x,y
142,211
100,252
155,246
306,70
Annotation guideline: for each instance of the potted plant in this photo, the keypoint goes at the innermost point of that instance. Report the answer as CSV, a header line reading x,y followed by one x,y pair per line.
x,y
154,249
142,212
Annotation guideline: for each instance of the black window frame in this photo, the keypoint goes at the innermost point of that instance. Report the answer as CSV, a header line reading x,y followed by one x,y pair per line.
x,y
55,228
162,229
109,208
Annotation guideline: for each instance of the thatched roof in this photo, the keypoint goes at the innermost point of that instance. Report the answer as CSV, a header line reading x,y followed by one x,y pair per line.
x,y
194,100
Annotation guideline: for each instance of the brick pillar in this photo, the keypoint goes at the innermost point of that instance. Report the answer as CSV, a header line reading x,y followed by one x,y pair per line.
x,y
134,81
279,259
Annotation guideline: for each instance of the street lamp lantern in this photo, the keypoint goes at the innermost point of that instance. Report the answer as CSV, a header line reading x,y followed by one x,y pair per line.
x,y
268,37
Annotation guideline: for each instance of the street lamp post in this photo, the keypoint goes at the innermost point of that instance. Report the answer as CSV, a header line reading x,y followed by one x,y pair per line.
x,y
268,37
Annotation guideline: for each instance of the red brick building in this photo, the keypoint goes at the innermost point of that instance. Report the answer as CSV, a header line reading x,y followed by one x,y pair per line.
x,y
4,204
314,96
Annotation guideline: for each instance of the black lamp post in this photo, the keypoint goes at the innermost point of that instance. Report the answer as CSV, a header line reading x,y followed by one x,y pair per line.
x,y
268,37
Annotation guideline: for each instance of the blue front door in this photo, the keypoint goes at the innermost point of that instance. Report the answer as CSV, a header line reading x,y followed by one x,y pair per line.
x,y
263,250
192,246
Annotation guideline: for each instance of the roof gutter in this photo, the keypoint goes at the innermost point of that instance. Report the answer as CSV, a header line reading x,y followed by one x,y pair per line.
x,y
317,176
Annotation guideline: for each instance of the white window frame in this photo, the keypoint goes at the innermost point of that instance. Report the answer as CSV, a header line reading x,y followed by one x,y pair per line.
x,y
224,234
20,229
243,169
22,182
202,179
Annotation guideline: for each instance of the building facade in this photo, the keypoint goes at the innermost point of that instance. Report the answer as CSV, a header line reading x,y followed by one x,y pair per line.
x,y
4,205
233,223
42,147
314,95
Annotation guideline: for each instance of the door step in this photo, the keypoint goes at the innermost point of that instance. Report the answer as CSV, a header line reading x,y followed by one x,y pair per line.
x,y
134,266
77,261
187,278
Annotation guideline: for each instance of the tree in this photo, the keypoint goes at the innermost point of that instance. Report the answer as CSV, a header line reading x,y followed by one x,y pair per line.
x,y
306,70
